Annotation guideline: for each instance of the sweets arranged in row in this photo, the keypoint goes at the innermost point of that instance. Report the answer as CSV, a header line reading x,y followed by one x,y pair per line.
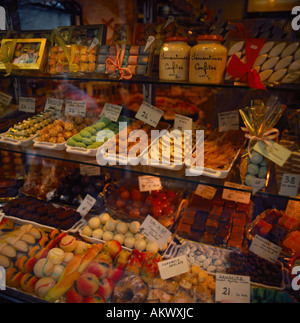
x,y
57,267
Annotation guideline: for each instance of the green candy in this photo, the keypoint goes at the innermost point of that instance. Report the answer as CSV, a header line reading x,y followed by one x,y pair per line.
x,y
71,142
99,126
85,134
91,130
105,120
87,141
77,138
80,145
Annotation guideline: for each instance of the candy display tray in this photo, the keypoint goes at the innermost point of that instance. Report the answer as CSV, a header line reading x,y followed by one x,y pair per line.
x,y
174,250
124,159
17,142
213,173
73,229
173,166
49,145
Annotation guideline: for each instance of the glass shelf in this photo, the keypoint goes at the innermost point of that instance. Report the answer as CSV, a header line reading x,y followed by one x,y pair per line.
x,y
94,77
193,181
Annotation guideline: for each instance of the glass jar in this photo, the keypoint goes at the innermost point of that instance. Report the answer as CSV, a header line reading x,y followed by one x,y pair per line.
x,y
208,60
174,59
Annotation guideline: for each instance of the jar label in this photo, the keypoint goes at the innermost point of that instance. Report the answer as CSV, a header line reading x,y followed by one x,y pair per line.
x,y
207,68
174,66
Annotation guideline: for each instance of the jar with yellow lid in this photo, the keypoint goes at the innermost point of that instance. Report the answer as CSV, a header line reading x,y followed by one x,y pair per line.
x,y
208,60
174,59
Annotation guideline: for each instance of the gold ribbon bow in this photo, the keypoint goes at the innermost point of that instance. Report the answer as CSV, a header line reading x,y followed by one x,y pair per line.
x,y
124,72
6,56
267,138
74,68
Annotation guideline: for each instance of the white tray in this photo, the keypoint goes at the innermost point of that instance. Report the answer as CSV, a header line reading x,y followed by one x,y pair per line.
x,y
49,145
17,142
174,249
81,151
91,239
43,227
222,174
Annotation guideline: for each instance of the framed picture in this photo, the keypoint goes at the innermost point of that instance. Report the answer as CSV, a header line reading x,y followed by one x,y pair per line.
x,y
270,8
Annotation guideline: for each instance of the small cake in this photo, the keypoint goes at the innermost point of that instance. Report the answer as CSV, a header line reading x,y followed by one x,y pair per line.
x,y
4,262
80,248
94,223
68,257
43,268
56,256
68,243
43,286
57,271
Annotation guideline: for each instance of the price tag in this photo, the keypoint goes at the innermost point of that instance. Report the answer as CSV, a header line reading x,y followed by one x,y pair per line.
x,y
75,108
86,170
94,43
233,289
293,209
170,20
173,267
229,121
207,192
155,232
55,104
150,41
5,99
27,105
111,111
149,114
258,184
237,196
265,249
279,155
86,205
290,185
183,123
149,183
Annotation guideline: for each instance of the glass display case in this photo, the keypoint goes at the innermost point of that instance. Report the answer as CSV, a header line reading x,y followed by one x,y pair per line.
x,y
119,187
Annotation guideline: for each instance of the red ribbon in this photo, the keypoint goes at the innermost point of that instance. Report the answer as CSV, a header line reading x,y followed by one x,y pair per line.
x,y
125,73
244,71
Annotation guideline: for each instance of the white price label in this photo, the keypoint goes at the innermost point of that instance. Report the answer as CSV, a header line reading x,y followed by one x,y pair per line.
x,y
170,20
237,196
265,249
94,43
149,114
290,185
150,41
229,121
75,108
207,192
111,111
233,289
86,170
173,267
155,232
278,154
27,105
86,205
183,123
258,184
5,99
55,104
149,183
293,209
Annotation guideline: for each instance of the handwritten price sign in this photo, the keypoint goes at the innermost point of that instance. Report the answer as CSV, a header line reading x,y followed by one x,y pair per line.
x,y
149,114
